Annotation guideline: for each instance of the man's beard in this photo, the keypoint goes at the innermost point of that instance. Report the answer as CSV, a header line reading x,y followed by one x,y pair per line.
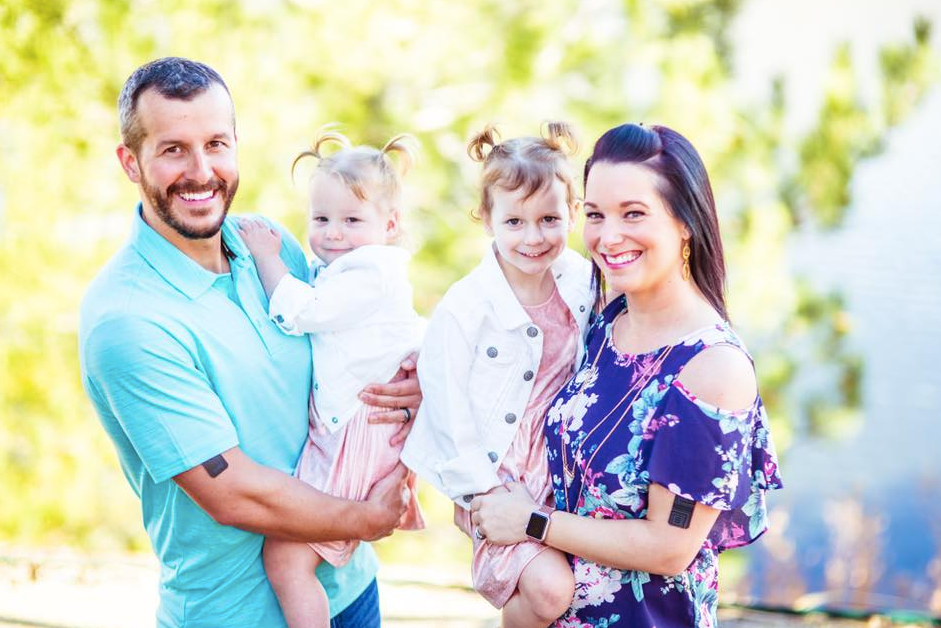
x,y
161,203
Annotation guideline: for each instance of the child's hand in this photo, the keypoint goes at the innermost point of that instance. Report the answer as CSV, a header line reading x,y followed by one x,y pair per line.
x,y
261,240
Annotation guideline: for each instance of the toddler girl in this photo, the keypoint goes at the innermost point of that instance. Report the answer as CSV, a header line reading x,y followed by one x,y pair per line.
x,y
358,311
499,346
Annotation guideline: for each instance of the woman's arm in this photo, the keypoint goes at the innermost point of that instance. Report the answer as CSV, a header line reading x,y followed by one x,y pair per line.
x,y
651,544
722,376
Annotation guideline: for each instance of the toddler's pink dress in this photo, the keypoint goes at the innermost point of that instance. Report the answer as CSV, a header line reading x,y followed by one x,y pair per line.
x,y
496,569
346,464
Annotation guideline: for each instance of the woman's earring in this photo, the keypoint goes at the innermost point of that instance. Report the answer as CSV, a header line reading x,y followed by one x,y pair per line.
x,y
686,253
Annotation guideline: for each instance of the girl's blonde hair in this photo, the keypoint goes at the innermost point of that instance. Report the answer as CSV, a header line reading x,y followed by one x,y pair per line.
x,y
527,163
364,168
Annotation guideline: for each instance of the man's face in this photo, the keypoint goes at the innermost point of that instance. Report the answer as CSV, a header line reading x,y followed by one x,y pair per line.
x,y
186,165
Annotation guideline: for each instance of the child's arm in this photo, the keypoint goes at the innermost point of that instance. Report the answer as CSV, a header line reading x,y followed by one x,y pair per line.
x,y
444,368
264,243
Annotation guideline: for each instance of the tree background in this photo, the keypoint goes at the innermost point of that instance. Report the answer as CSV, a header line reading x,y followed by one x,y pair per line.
x,y
440,70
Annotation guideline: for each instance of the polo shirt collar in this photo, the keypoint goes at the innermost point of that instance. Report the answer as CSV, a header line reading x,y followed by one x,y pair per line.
x,y
178,269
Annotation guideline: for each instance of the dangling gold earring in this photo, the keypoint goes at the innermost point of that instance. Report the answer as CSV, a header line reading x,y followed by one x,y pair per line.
x,y
686,253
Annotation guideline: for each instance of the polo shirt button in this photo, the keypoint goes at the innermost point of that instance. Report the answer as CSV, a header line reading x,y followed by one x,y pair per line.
x,y
493,456
335,420
279,319
468,499
510,418
492,352
532,332
581,308
316,386
528,375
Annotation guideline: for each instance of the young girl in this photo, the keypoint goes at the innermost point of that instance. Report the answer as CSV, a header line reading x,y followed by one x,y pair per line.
x,y
358,311
499,346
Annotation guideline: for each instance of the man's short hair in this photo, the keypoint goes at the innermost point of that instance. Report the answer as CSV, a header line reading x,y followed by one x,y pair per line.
x,y
172,77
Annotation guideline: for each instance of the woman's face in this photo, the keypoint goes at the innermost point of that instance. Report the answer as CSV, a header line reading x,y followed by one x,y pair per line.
x,y
629,230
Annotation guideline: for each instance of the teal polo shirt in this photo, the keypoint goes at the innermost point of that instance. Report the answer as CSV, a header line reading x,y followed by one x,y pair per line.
x,y
182,364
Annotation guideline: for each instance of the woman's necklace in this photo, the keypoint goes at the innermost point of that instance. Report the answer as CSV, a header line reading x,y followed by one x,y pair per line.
x,y
634,392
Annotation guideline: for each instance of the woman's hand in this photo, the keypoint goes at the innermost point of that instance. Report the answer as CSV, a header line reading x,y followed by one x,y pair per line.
x,y
402,395
502,514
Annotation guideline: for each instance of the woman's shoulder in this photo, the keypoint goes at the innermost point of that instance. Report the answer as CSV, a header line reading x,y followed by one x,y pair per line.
x,y
721,372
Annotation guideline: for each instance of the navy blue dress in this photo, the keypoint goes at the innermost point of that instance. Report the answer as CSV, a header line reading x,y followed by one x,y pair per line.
x,y
604,451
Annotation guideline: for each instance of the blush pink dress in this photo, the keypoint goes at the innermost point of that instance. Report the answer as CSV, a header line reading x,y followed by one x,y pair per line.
x,y
347,464
496,569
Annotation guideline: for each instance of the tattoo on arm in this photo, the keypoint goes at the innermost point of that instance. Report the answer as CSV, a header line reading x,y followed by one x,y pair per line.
x,y
682,512
215,465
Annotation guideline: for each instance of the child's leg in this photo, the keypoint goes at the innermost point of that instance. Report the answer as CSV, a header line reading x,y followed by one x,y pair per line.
x,y
290,568
543,594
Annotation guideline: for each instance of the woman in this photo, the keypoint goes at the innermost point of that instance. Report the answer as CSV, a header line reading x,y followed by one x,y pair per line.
x,y
659,446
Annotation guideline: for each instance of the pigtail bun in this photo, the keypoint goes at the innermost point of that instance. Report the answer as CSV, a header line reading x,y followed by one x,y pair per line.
x,y
326,135
560,136
481,145
406,146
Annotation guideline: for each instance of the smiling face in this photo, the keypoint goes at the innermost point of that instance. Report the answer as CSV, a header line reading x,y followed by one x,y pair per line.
x,y
186,166
629,231
341,222
529,233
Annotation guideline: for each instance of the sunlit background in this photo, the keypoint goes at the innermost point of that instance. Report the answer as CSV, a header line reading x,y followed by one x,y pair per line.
x,y
819,122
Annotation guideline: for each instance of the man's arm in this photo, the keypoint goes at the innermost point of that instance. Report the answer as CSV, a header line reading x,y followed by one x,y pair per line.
x,y
238,492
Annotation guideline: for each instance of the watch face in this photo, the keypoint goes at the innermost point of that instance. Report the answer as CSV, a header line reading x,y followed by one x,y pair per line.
x,y
536,528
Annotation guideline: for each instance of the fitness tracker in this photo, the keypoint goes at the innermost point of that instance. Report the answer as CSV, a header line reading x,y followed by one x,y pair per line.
x,y
538,526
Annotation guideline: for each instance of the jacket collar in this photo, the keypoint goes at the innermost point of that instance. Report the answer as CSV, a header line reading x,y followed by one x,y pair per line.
x,y
178,269
507,308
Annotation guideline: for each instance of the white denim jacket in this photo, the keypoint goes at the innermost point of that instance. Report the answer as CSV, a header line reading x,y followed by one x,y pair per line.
x,y
476,368
358,312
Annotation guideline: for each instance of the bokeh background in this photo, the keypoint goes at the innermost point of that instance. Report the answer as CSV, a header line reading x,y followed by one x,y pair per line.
x,y
819,122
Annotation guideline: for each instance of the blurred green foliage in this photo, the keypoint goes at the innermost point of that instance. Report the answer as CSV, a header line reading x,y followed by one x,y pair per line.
x,y
435,68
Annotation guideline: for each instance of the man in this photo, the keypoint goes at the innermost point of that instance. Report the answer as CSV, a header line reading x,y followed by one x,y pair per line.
x,y
204,398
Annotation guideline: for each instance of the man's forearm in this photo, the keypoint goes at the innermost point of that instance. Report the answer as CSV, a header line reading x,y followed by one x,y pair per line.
x,y
260,499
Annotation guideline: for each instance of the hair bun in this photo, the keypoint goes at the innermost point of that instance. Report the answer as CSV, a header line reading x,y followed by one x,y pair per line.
x,y
327,134
481,145
560,136
406,146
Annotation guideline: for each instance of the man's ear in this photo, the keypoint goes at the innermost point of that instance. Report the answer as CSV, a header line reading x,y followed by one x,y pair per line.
x,y
129,163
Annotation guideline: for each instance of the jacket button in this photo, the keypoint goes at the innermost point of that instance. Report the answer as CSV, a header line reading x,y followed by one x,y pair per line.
x,y
468,499
532,332
510,418
492,352
528,375
335,420
493,456
581,308
279,319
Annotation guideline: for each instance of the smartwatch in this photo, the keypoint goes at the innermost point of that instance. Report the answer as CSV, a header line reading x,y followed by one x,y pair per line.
x,y
538,526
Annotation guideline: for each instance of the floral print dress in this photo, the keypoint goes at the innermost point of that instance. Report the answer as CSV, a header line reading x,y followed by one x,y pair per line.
x,y
604,452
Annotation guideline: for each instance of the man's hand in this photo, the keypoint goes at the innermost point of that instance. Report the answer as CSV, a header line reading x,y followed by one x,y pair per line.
x,y
388,499
402,393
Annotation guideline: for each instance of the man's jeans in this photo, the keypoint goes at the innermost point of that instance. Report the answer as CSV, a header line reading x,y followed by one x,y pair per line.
x,y
362,613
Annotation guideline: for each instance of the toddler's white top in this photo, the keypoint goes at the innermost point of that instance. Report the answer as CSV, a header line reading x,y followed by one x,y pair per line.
x,y
358,312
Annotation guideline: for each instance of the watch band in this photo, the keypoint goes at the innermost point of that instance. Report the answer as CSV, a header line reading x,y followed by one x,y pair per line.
x,y
542,516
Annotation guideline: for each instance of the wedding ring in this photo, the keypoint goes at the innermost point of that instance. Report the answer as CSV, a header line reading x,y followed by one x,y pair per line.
x,y
408,415
479,536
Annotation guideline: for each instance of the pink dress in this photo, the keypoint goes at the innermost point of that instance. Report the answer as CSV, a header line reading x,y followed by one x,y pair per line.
x,y
496,569
346,464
